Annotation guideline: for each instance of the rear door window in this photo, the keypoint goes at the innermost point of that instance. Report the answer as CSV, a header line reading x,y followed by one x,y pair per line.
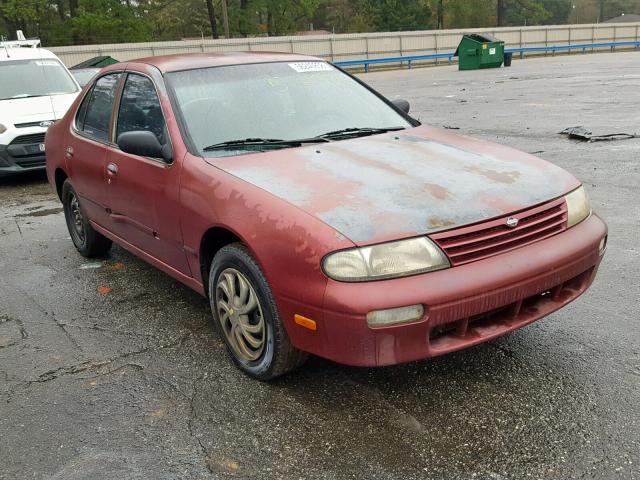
x,y
94,115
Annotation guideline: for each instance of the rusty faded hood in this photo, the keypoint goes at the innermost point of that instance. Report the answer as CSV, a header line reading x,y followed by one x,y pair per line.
x,y
403,184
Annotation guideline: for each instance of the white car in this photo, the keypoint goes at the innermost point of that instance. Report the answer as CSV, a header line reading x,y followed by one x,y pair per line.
x,y
36,89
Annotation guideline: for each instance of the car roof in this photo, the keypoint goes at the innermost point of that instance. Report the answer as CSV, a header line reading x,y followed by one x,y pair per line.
x,y
24,53
192,61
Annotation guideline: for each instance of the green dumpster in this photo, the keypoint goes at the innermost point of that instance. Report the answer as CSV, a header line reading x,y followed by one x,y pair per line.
x,y
479,50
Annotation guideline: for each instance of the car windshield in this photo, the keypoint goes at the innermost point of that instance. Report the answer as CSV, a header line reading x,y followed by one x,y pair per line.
x,y
34,78
267,103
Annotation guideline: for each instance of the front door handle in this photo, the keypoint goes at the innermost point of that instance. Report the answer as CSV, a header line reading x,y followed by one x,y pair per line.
x,y
112,169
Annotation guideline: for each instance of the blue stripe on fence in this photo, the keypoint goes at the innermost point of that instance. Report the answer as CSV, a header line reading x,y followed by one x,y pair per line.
x,y
449,55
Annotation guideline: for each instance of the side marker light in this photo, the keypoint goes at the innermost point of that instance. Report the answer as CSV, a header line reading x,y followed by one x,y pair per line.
x,y
305,322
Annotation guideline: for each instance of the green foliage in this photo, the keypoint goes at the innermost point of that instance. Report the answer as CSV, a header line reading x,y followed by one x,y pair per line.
x,y
21,14
468,14
59,22
279,17
558,11
99,21
396,15
526,12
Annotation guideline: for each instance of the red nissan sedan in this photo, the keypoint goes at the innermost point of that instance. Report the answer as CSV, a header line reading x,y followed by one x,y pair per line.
x,y
316,215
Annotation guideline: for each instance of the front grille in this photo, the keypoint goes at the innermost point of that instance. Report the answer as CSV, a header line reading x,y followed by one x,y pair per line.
x,y
30,124
468,244
28,139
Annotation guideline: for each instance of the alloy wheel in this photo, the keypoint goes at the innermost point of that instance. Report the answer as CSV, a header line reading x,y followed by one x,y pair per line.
x,y
240,315
76,219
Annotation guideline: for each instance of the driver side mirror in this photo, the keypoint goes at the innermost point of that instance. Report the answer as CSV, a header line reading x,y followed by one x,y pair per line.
x,y
402,105
144,144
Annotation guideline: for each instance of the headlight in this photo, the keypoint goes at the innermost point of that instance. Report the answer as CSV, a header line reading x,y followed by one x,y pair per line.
x,y
578,206
387,260
2,128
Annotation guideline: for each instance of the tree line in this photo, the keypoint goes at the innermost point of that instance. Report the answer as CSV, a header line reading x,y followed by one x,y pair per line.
x,y
76,22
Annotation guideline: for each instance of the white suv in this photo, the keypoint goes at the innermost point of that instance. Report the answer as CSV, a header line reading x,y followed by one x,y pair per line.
x,y
36,89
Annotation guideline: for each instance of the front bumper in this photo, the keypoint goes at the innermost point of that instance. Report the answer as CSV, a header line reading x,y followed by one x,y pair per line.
x,y
16,159
464,305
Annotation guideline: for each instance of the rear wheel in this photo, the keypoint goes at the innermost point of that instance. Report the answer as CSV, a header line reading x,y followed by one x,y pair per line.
x,y
86,240
246,315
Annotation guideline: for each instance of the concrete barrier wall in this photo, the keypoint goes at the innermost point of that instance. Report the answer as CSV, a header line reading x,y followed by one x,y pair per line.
x,y
361,46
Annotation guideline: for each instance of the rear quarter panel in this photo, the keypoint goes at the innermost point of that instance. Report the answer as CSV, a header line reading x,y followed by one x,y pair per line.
x,y
55,145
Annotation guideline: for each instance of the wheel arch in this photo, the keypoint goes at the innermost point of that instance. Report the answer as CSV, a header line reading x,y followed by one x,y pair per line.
x,y
211,242
60,176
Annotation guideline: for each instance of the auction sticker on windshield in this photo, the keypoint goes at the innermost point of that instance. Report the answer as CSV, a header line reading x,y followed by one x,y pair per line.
x,y
303,67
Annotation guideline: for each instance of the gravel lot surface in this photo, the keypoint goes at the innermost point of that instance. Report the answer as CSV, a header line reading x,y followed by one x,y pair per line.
x,y
132,383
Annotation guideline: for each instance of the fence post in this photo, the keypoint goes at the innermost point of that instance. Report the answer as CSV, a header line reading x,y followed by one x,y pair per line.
x,y
546,40
435,45
333,58
613,47
521,52
569,42
637,31
291,44
366,40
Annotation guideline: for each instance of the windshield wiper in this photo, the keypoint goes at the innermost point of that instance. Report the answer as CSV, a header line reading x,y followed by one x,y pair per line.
x,y
248,143
358,132
22,95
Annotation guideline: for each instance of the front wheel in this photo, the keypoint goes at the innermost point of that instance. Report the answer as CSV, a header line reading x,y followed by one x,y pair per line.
x,y
86,240
246,315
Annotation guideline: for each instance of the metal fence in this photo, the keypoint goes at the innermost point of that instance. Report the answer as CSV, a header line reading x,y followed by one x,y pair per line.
x,y
367,46
411,60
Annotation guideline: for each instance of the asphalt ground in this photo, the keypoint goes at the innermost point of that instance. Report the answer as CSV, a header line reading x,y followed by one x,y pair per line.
x,y
109,369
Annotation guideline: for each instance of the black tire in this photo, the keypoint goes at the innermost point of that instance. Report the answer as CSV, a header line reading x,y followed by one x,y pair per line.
x,y
86,240
278,356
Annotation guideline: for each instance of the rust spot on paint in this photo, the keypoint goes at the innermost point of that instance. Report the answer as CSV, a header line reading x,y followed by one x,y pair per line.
x,y
496,203
438,191
496,176
440,223
369,161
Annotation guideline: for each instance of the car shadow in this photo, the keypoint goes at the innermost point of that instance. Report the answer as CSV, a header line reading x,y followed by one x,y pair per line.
x,y
24,179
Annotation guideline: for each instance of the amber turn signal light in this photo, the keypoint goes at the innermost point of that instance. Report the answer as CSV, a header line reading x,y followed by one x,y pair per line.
x,y
305,322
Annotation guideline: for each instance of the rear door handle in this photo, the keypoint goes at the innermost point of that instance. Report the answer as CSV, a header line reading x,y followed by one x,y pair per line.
x,y
112,169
